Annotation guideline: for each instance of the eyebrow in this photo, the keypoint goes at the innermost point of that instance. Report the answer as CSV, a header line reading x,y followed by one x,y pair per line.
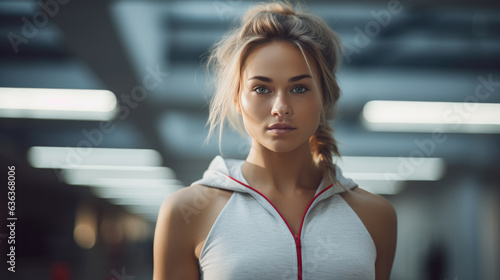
x,y
292,79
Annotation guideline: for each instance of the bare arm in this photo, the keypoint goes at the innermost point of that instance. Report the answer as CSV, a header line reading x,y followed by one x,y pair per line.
x,y
385,236
379,217
174,256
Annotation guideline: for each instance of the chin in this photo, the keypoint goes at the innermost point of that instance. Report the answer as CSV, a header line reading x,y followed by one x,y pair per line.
x,y
283,147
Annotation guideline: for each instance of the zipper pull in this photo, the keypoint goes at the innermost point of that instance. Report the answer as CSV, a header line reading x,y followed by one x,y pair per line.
x,y
297,241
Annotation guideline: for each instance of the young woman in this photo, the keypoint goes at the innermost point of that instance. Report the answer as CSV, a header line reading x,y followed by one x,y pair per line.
x,y
286,212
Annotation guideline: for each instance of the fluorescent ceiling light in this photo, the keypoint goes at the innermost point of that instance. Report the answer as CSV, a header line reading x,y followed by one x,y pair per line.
x,y
133,192
143,183
48,103
73,157
142,191
129,177
91,175
392,168
381,187
413,116
138,201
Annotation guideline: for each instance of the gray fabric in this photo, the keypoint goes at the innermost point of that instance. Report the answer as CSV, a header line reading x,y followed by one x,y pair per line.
x,y
250,240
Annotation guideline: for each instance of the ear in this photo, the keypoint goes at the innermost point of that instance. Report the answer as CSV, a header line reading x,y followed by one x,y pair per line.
x,y
236,101
237,105
238,108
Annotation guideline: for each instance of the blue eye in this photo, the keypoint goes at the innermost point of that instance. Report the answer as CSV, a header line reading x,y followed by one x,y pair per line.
x,y
299,89
261,90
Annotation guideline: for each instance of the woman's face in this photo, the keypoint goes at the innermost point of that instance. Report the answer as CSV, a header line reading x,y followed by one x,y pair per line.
x,y
279,103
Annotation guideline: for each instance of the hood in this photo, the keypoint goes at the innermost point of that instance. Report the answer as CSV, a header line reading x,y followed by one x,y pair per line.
x,y
220,171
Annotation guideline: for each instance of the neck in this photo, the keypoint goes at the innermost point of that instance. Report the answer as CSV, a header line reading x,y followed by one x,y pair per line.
x,y
285,172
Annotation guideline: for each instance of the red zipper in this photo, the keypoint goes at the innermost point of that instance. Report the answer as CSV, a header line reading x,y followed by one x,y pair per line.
x,y
299,253
296,237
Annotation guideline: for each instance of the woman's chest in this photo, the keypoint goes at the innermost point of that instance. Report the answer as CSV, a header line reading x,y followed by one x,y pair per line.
x,y
250,237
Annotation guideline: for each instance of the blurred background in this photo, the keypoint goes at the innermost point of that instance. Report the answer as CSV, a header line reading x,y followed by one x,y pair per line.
x,y
103,107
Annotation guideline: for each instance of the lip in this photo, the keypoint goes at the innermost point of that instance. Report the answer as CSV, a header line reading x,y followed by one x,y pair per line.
x,y
280,128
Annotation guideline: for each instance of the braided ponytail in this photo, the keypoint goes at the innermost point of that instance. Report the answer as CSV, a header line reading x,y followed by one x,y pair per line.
x,y
324,148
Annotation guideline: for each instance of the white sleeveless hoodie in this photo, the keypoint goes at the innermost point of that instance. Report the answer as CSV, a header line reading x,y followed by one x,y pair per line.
x,y
250,239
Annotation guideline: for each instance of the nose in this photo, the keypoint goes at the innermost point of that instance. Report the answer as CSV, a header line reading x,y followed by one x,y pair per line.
x,y
281,105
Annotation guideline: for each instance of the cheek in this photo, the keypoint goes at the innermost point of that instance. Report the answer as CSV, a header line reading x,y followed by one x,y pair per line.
x,y
253,108
310,108
317,107
247,113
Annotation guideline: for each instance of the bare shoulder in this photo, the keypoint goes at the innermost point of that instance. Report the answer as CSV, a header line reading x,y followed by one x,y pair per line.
x,y
188,203
182,221
375,211
366,201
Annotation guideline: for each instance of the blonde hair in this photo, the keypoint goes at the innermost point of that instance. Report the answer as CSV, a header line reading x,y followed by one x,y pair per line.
x,y
266,23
